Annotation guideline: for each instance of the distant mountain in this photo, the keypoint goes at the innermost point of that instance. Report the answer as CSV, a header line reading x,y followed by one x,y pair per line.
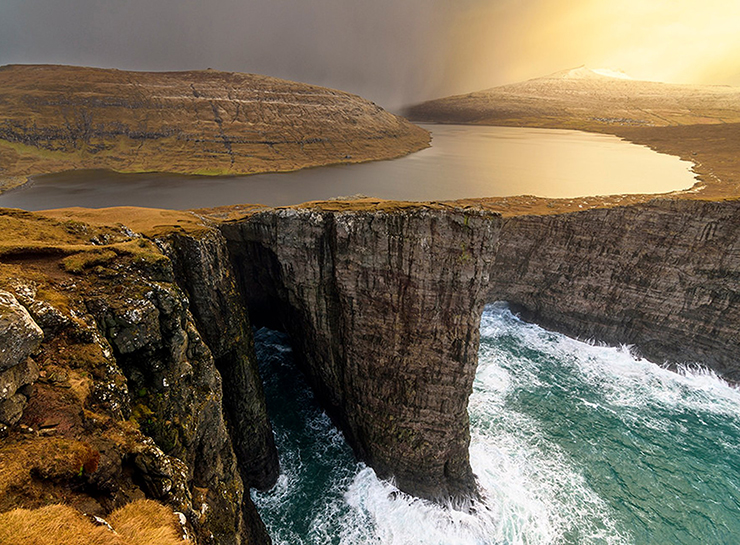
x,y
56,118
586,99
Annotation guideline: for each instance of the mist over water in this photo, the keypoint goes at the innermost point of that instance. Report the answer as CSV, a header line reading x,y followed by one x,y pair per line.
x,y
571,443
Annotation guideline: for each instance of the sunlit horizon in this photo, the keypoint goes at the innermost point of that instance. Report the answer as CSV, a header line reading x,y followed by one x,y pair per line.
x,y
680,41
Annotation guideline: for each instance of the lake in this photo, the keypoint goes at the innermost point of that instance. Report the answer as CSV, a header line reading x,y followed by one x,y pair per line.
x,y
463,162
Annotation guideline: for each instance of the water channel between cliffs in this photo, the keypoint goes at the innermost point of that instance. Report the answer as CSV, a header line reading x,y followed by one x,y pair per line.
x,y
463,162
571,443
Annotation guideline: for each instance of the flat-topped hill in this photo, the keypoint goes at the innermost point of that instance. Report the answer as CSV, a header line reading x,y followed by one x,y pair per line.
x,y
55,118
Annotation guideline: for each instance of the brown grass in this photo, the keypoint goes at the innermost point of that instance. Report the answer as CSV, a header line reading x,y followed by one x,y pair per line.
x,y
151,222
143,522
27,464
77,263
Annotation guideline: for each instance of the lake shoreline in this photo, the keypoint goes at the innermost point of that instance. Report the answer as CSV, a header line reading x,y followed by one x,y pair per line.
x,y
464,163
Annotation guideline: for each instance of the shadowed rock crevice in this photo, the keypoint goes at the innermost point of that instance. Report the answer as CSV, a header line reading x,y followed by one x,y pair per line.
x,y
202,267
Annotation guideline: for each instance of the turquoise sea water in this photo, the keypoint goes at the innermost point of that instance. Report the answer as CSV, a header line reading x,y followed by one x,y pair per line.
x,y
571,443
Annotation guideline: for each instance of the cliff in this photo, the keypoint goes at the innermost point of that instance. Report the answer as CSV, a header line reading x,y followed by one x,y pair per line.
x,y
384,311
383,302
55,118
127,368
110,391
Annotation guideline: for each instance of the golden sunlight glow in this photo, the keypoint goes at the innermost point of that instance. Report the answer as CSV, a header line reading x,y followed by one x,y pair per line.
x,y
677,41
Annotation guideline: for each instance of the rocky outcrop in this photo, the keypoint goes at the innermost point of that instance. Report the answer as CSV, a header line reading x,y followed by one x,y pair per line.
x,y
124,398
19,334
175,396
55,118
383,305
19,337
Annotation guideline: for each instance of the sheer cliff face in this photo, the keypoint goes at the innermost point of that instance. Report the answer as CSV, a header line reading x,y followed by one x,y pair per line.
x,y
663,276
55,118
140,364
383,309
202,267
384,306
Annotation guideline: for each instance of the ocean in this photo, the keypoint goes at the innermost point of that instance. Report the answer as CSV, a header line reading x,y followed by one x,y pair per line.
x,y
572,443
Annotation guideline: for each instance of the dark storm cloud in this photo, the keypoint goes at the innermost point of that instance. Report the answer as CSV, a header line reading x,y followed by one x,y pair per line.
x,y
390,51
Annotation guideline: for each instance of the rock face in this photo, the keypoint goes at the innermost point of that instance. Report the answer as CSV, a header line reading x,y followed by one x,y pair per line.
x,y
173,390
19,334
202,266
384,311
111,387
19,337
384,306
664,276
55,118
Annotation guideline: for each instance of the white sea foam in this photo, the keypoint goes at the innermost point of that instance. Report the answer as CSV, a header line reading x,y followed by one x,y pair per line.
x,y
624,380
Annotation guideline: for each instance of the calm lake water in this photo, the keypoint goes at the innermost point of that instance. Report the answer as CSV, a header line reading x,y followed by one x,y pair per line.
x,y
464,161
571,443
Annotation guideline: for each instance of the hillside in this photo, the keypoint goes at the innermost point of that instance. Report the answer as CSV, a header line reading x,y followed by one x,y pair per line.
x,y
55,118
583,98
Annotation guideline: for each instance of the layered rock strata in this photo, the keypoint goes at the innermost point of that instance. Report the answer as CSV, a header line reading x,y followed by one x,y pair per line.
x,y
663,276
384,310
383,305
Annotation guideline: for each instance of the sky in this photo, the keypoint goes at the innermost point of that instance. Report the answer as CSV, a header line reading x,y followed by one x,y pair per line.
x,y
394,52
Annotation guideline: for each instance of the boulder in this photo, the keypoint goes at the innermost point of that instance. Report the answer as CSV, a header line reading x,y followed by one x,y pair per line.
x,y
11,380
19,334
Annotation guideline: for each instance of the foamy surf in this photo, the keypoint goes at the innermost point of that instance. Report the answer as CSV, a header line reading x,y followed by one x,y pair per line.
x,y
571,443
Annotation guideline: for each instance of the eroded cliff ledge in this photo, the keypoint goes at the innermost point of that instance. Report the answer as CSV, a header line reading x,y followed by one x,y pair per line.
x,y
55,118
